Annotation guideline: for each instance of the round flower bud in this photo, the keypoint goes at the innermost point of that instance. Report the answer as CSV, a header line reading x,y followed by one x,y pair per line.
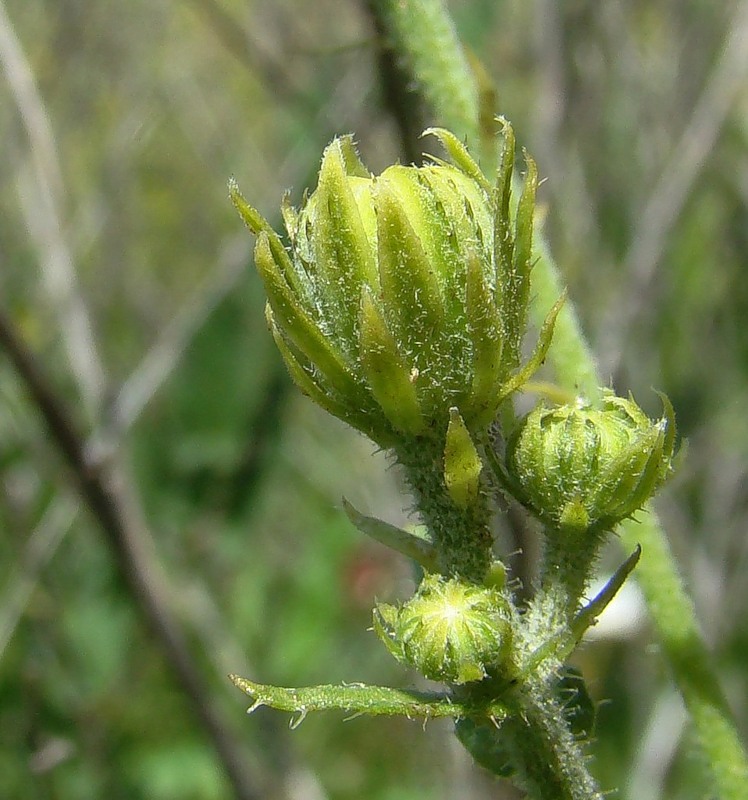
x,y
397,300
449,631
578,467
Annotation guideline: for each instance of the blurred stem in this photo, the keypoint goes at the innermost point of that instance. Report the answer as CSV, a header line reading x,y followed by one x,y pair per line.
x,y
44,196
104,490
570,355
404,103
675,619
418,28
423,35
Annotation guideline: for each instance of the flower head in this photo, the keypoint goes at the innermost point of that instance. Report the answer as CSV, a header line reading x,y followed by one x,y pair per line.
x,y
403,295
449,631
578,467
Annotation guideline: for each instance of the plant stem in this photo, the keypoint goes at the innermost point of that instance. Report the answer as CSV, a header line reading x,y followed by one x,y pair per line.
x,y
567,557
533,745
461,535
423,34
552,763
675,619
571,357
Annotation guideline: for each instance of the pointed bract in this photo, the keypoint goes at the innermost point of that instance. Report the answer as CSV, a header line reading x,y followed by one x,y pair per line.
x,y
389,378
462,464
460,155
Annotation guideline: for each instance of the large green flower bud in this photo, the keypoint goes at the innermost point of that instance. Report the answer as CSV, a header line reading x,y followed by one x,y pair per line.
x,y
403,295
449,631
578,467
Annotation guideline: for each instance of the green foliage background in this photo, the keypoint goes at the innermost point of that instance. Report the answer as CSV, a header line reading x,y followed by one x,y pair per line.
x,y
639,120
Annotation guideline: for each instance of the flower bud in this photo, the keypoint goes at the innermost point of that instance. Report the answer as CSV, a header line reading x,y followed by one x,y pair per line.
x,y
403,295
449,631
578,467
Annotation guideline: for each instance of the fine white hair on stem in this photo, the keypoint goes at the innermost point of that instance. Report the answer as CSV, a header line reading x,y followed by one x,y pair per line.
x,y
41,193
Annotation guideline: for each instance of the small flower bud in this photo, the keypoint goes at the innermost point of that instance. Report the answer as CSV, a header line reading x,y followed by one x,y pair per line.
x,y
403,295
578,467
449,631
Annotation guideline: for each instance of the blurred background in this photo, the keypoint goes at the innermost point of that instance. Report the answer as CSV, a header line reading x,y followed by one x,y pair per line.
x,y
215,542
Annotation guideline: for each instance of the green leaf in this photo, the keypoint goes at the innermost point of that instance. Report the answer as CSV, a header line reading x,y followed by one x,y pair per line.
x,y
258,224
485,332
589,614
344,257
358,698
419,548
410,289
487,745
579,709
503,240
538,356
296,323
307,380
459,154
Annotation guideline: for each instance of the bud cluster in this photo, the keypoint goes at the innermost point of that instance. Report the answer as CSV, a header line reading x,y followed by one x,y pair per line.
x,y
400,306
404,295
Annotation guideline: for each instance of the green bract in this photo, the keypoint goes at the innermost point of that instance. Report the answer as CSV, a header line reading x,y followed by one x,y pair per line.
x,y
403,295
578,467
449,631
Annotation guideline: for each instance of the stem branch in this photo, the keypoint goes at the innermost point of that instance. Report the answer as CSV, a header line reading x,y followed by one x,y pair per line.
x,y
103,489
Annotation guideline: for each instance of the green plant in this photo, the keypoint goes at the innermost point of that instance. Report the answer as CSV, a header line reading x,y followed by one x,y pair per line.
x,y
198,496
401,308
401,311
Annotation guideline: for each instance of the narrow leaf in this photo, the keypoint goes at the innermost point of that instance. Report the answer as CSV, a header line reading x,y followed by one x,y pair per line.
x,y
409,285
418,548
589,614
357,698
459,154
300,328
541,349
344,258
304,379
258,224
485,333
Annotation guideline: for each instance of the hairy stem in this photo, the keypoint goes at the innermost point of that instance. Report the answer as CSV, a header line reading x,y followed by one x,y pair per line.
x,y
551,762
423,35
675,619
462,536
533,745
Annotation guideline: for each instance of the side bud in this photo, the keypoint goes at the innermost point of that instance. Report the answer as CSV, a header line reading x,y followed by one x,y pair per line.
x,y
449,631
579,468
